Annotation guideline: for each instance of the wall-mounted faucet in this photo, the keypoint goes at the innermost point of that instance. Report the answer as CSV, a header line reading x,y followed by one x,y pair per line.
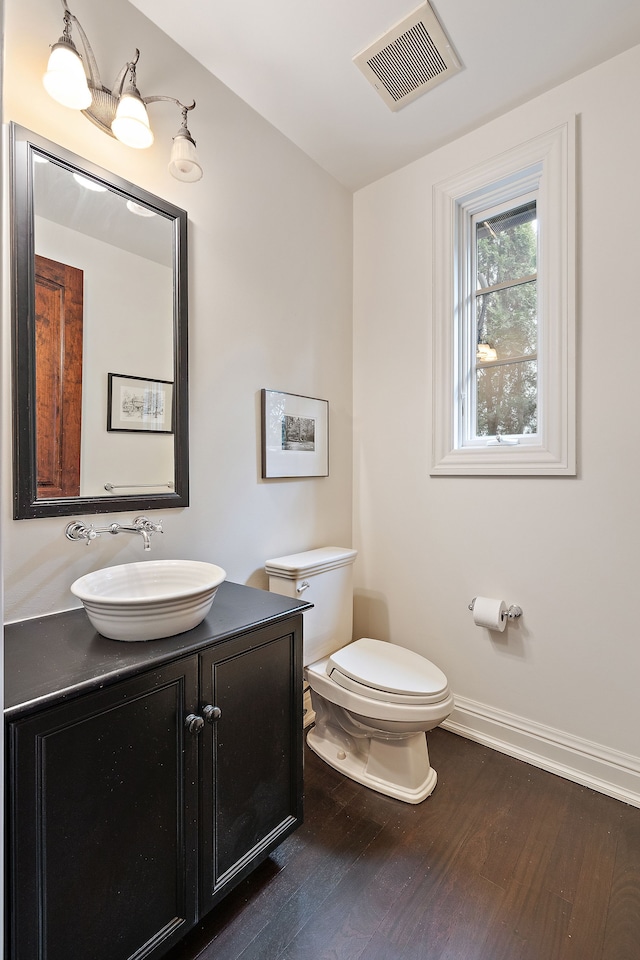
x,y
77,530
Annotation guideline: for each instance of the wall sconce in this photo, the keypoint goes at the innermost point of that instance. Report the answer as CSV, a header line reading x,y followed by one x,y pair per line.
x,y
121,112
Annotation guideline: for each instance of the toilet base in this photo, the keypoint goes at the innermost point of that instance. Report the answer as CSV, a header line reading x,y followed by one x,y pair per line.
x,y
396,768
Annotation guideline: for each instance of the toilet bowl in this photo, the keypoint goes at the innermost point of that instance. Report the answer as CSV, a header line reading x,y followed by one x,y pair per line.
x,y
374,701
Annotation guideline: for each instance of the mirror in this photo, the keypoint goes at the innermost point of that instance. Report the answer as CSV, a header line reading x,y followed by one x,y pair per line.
x,y
99,338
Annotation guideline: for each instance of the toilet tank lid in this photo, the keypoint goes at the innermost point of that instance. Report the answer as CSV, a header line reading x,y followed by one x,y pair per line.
x,y
309,562
388,667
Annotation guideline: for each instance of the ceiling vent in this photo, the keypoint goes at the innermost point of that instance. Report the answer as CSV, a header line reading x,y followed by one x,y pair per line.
x,y
409,59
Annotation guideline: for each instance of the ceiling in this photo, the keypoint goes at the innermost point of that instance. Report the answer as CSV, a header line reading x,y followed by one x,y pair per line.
x,y
291,60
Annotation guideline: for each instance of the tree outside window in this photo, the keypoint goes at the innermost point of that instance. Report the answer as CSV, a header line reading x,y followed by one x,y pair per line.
x,y
506,323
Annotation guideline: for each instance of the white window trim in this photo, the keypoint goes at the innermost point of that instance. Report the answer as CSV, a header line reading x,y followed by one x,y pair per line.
x,y
549,161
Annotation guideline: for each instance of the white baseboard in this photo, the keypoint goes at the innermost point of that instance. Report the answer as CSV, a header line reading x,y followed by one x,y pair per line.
x,y
608,771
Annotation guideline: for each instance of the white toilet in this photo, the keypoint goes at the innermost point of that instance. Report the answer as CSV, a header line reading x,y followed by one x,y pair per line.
x,y
374,701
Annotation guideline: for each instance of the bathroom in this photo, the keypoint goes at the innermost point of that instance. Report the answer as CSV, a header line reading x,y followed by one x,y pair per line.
x,y
301,285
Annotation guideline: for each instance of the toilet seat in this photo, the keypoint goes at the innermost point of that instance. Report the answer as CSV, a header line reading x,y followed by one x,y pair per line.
x,y
359,703
386,672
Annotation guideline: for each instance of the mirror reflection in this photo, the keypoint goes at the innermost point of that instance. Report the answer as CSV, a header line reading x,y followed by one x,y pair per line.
x,y
100,339
103,289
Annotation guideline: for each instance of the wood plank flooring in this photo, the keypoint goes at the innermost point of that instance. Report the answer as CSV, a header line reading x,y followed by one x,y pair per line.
x,y
502,862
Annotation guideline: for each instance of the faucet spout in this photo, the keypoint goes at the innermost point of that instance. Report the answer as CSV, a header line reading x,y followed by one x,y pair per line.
x,y
145,528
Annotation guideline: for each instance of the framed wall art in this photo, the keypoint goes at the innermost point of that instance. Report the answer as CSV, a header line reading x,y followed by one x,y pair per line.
x,y
139,404
295,435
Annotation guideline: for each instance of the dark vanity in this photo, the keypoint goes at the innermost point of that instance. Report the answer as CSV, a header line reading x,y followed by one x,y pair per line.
x,y
145,780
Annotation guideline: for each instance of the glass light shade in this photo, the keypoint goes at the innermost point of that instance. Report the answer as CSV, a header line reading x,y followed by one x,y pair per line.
x,y
65,79
184,164
131,122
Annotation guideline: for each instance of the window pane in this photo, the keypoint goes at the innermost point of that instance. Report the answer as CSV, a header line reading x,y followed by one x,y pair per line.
x,y
507,399
506,245
507,320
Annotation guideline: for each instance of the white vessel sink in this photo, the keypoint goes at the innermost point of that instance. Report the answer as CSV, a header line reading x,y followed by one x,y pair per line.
x,y
147,601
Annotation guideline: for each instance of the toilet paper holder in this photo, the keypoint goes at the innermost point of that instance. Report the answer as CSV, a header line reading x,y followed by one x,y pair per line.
x,y
512,612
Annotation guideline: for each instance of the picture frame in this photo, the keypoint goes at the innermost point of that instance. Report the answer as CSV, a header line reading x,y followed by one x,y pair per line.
x,y
295,435
139,404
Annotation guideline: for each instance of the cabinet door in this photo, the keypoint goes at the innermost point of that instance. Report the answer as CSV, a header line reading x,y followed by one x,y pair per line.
x,y
102,807
251,757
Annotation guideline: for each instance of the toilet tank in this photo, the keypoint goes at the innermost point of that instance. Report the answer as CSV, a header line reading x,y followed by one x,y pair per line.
x,y
323,577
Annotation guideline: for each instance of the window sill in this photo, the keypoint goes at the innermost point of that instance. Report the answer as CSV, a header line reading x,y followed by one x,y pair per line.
x,y
507,462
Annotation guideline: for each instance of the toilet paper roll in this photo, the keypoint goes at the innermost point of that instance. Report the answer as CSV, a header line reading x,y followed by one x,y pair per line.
x,y
490,613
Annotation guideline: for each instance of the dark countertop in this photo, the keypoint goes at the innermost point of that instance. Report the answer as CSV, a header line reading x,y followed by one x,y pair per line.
x,y
51,659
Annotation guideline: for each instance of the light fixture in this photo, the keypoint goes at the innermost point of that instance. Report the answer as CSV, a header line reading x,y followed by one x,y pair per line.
x,y
184,163
121,112
65,79
131,122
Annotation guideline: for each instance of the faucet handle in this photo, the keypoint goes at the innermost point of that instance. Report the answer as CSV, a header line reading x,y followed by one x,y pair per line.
x,y
76,530
145,524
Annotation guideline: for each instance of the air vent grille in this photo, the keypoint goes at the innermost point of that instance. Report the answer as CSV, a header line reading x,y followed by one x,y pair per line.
x,y
409,59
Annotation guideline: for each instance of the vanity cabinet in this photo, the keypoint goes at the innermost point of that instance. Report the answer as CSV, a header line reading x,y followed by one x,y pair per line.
x,y
103,818
251,776
135,805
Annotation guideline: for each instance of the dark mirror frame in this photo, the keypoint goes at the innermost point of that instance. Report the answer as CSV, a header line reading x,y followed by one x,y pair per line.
x,y
23,143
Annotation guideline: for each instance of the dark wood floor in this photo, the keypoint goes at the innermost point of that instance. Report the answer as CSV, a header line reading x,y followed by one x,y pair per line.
x,y
502,862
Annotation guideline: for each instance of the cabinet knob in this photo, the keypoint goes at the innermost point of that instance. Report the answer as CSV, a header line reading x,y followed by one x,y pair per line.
x,y
211,714
194,723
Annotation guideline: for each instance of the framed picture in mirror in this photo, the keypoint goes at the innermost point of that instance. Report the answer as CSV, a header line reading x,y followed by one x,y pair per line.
x,y
139,404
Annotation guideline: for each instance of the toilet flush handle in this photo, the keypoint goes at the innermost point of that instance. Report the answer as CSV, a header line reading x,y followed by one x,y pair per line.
x,y
303,586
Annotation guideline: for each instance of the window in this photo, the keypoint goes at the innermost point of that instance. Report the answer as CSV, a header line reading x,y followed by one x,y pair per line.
x,y
502,326
504,354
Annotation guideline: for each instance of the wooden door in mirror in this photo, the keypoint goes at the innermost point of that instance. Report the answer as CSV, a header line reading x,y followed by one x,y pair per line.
x,y
59,321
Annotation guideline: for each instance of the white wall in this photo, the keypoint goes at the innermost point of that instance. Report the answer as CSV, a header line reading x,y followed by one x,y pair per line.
x,y
566,550
270,306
